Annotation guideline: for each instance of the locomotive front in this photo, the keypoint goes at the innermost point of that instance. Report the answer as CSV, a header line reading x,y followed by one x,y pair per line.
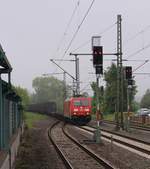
x,y
81,110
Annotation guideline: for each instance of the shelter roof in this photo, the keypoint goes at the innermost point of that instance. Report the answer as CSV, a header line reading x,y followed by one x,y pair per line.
x,y
4,61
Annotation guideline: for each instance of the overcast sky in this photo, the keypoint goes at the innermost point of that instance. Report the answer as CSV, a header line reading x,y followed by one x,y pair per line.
x,y
31,32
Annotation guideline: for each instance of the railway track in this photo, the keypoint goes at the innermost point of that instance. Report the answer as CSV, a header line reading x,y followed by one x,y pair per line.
x,y
74,154
124,136
134,126
138,146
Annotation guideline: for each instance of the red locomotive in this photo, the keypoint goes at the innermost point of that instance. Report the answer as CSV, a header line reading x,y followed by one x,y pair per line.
x,y
78,109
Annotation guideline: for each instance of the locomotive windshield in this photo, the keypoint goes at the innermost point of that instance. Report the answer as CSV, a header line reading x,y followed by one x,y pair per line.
x,y
81,102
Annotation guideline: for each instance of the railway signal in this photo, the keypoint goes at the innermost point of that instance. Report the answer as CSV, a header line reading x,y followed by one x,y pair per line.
x,y
130,82
128,75
128,72
98,64
97,55
99,69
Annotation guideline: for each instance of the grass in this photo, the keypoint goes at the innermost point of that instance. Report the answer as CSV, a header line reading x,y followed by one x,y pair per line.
x,y
105,117
93,116
31,118
110,117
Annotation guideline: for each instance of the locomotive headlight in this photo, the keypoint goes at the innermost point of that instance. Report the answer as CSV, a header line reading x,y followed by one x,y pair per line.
x,y
86,109
75,109
74,113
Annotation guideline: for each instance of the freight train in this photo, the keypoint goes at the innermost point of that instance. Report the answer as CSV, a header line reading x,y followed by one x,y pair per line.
x,y
76,109
47,108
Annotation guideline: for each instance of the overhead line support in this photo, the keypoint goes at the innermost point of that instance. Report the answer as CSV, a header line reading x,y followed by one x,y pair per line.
x,y
119,104
62,69
88,54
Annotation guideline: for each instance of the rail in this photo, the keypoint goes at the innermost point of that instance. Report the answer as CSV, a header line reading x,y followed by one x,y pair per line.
x,y
100,160
133,146
135,126
61,154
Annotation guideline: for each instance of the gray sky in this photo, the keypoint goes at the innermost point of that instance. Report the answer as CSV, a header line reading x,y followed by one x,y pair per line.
x,y
31,30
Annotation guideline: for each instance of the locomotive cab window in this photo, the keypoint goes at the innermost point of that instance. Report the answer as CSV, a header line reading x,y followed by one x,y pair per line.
x,y
81,102
77,103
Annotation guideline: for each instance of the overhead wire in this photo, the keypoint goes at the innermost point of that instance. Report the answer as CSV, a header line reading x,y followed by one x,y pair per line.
x,y
135,60
91,79
109,28
133,37
68,25
142,73
137,34
126,42
138,51
66,30
76,32
140,65
84,88
74,36
88,41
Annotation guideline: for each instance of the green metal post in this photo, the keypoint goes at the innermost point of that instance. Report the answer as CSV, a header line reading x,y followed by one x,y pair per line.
x,y
128,108
11,118
15,116
98,132
1,124
119,74
3,121
6,121
118,80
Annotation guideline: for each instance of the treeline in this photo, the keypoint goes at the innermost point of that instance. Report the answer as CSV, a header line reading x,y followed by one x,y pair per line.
x,y
108,94
45,89
52,89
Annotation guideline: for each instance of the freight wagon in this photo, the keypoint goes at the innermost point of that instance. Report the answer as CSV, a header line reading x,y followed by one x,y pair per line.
x,y
47,108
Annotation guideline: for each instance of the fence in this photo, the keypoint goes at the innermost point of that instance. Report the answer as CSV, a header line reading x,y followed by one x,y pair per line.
x,y
143,120
10,105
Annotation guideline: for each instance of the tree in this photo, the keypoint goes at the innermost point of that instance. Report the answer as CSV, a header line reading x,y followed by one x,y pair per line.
x,y
85,94
135,106
145,102
100,98
48,89
110,77
110,95
24,94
